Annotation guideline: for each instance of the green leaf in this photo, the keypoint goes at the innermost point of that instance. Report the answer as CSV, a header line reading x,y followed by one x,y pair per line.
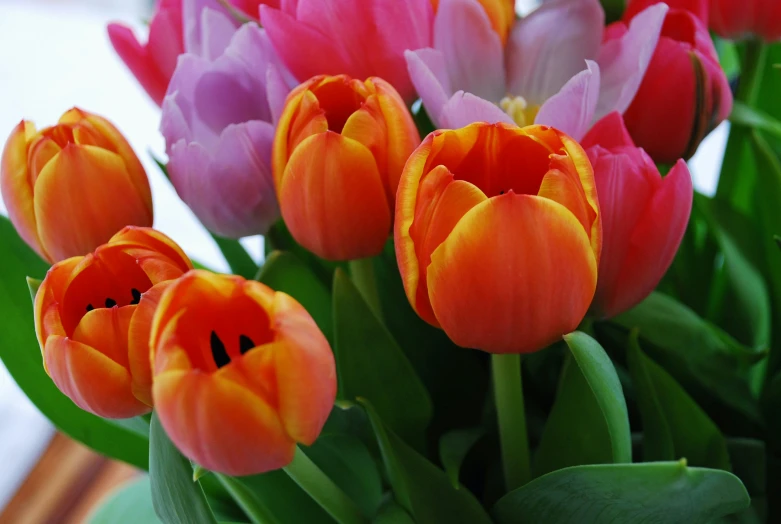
x,y
371,365
21,354
696,353
674,426
236,256
660,492
421,488
281,497
176,498
279,238
285,272
589,423
453,448
131,503
745,115
392,513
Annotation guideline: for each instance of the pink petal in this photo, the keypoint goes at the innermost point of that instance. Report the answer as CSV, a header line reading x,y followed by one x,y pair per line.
x,y
572,109
472,51
465,108
610,132
429,76
548,47
624,61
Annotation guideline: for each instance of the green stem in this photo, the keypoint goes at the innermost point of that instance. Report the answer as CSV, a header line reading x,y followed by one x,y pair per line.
x,y
255,510
508,392
362,272
322,489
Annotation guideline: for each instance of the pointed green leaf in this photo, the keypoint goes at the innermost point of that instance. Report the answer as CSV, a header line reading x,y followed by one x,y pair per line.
x,y
21,354
371,365
663,492
453,448
176,498
236,256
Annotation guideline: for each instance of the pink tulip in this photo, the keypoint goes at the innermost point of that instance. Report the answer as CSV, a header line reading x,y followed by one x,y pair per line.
x,y
644,216
555,68
359,38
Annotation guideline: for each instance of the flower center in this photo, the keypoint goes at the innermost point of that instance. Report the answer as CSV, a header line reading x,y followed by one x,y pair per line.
x,y
519,110
220,353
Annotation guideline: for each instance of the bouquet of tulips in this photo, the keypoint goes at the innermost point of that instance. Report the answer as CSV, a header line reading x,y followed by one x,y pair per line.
x,y
489,293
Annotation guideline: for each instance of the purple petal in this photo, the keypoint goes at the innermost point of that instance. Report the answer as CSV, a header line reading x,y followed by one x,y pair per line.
x,y
429,76
465,108
192,23
217,29
572,109
276,92
472,51
624,61
548,47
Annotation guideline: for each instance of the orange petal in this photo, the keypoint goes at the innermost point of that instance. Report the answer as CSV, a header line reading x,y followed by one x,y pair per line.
x,y
47,300
516,273
221,425
106,330
333,200
82,198
16,186
90,379
155,241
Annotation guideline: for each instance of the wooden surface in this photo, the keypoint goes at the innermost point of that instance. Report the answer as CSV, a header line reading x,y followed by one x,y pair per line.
x,y
66,484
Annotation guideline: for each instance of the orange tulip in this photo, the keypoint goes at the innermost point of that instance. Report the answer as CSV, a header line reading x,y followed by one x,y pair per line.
x,y
339,150
93,318
498,235
241,373
70,187
501,13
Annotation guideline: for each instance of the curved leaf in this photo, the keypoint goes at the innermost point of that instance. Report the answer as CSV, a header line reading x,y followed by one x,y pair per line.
x,y
453,448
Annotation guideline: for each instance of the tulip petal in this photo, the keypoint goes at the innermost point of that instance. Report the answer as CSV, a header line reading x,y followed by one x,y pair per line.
x,y
199,410
491,281
156,242
472,50
217,29
548,47
74,366
465,108
137,59
571,110
609,132
429,75
105,330
623,61
336,206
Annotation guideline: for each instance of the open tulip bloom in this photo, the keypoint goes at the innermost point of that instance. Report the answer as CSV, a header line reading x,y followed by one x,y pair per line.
x,y
491,292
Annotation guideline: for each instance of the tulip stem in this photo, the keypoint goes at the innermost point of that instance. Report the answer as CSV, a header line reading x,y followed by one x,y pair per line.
x,y
362,271
323,490
508,393
255,510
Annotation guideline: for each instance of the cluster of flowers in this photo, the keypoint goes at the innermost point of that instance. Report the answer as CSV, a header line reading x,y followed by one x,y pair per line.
x,y
538,197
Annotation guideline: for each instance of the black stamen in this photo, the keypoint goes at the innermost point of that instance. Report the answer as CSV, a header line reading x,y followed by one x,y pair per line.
x,y
136,296
110,302
90,307
501,192
219,354
245,344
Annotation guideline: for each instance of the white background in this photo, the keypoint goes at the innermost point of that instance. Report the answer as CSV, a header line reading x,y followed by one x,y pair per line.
x,y
54,54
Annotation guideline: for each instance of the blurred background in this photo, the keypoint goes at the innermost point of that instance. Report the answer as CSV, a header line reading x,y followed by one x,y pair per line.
x,y
54,54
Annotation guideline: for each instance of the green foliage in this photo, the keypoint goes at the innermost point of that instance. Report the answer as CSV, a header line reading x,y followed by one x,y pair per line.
x,y
131,503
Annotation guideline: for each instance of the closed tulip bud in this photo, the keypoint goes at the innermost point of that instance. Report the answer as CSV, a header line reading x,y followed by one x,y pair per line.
x,y
339,150
644,216
498,235
70,187
736,19
93,317
501,14
241,373
685,93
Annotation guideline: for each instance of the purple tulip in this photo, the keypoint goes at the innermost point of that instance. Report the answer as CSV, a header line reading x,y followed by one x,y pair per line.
x,y
218,122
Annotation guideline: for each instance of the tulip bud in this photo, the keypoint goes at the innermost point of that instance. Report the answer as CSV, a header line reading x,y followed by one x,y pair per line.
x,y
339,150
501,14
241,373
644,216
736,19
498,235
685,93
93,318
70,187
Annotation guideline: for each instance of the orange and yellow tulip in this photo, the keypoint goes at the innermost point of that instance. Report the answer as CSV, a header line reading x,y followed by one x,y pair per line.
x,y
339,150
501,14
241,373
498,235
93,316
70,187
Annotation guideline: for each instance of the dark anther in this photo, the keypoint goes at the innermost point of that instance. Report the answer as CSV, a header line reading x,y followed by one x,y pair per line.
x,y
110,302
219,354
501,192
245,344
136,296
90,307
